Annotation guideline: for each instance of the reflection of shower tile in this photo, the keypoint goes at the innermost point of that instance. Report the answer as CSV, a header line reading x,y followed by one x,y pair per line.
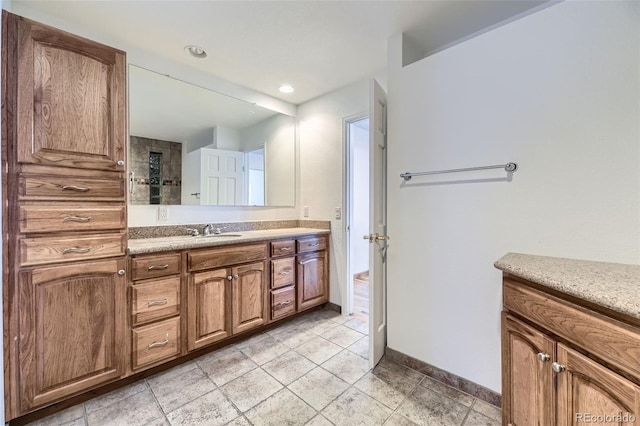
x,y
140,168
172,172
140,195
174,195
138,149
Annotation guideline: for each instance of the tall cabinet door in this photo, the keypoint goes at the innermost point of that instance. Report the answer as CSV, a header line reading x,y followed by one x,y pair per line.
x,y
249,296
72,324
527,377
208,299
313,274
590,393
71,99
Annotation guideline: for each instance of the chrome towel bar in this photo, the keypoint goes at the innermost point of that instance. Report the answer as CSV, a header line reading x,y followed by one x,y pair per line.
x,y
509,167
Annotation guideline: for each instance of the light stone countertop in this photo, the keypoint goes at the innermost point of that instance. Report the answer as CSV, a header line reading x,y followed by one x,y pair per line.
x,y
615,286
155,245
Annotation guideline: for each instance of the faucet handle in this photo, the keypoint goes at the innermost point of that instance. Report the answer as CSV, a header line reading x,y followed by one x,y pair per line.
x,y
193,232
218,229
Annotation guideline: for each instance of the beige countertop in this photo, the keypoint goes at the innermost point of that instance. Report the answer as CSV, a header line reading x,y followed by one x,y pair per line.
x,y
615,286
154,245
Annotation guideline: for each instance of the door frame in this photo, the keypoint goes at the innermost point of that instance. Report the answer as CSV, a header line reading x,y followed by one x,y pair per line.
x,y
347,290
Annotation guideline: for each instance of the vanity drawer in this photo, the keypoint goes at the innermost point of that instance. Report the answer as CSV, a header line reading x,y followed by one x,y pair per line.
x,y
612,341
36,251
312,244
155,342
143,267
155,299
225,256
65,217
283,272
283,248
69,188
283,302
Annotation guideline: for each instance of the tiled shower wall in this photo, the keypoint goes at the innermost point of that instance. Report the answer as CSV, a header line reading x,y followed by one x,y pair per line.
x,y
139,149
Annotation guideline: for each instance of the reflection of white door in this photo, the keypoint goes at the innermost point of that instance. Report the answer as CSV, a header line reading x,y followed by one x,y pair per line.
x,y
221,177
377,223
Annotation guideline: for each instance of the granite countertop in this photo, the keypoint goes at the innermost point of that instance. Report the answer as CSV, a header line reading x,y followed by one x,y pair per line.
x,y
615,286
154,245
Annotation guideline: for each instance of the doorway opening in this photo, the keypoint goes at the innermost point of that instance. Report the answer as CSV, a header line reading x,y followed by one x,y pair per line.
x,y
357,146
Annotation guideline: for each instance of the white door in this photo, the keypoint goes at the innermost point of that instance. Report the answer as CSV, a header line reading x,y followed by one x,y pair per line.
x,y
377,223
221,177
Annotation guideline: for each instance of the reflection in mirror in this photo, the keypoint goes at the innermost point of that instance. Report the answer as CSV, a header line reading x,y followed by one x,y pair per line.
x,y
191,145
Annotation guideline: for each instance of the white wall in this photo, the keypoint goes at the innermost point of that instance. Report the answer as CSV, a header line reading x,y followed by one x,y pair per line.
x,y
359,248
558,92
322,156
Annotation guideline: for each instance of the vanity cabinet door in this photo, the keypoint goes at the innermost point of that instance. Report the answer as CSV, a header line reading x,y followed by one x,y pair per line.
x,y
249,294
72,322
71,99
527,377
591,393
313,277
208,307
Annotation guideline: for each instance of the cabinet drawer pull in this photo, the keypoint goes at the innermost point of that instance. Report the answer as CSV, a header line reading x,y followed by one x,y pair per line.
x,y
76,219
543,357
158,302
158,344
75,188
235,277
229,278
285,303
285,248
158,267
287,272
76,250
314,244
557,367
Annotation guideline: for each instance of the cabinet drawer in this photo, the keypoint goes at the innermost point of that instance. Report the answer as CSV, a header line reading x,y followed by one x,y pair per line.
x,y
283,302
35,251
62,218
224,256
311,244
283,248
155,342
606,338
143,267
155,300
283,272
68,188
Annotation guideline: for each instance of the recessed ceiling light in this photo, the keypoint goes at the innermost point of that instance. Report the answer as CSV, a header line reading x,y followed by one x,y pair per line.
x,y
196,51
285,88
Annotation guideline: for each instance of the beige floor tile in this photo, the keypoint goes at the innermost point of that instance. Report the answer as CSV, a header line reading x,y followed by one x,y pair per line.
x,y
294,337
452,393
173,391
138,409
348,366
476,419
358,325
226,368
282,408
400,369
210,409
319,420
318,388
251,389
318,349
387,386
487,409
319,325
240,421
427,407
355,408
159,422
398,420
250,341
264,350
288,367
343,336
110,398
70,416
361,347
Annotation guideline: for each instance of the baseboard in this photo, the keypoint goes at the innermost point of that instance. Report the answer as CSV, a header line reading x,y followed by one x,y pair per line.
x,y
333,307
445,377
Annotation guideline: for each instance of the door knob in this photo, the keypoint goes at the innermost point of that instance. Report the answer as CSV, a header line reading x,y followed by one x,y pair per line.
x,y
376,237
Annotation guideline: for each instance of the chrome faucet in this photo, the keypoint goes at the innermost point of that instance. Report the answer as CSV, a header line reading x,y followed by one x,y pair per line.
x,y
207,230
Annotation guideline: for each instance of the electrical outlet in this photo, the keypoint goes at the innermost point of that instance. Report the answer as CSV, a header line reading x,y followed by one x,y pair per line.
x,y
338,213
163,213
306,211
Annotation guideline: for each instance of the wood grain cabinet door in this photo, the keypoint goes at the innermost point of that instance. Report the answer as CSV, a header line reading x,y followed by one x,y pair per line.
x,y
208,308
72,323
590,393
249,294
71,99
313,274
527,378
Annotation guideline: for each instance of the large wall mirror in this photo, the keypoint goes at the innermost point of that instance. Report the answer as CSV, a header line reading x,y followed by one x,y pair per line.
x,y
193,146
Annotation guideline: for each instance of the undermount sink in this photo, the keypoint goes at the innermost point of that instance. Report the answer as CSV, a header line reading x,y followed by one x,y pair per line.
x,y
219,235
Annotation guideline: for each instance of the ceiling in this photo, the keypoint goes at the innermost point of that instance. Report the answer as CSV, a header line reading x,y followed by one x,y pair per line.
x,y
316,46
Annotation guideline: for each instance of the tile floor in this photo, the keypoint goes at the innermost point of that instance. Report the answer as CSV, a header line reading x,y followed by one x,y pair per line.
x,y
311,371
